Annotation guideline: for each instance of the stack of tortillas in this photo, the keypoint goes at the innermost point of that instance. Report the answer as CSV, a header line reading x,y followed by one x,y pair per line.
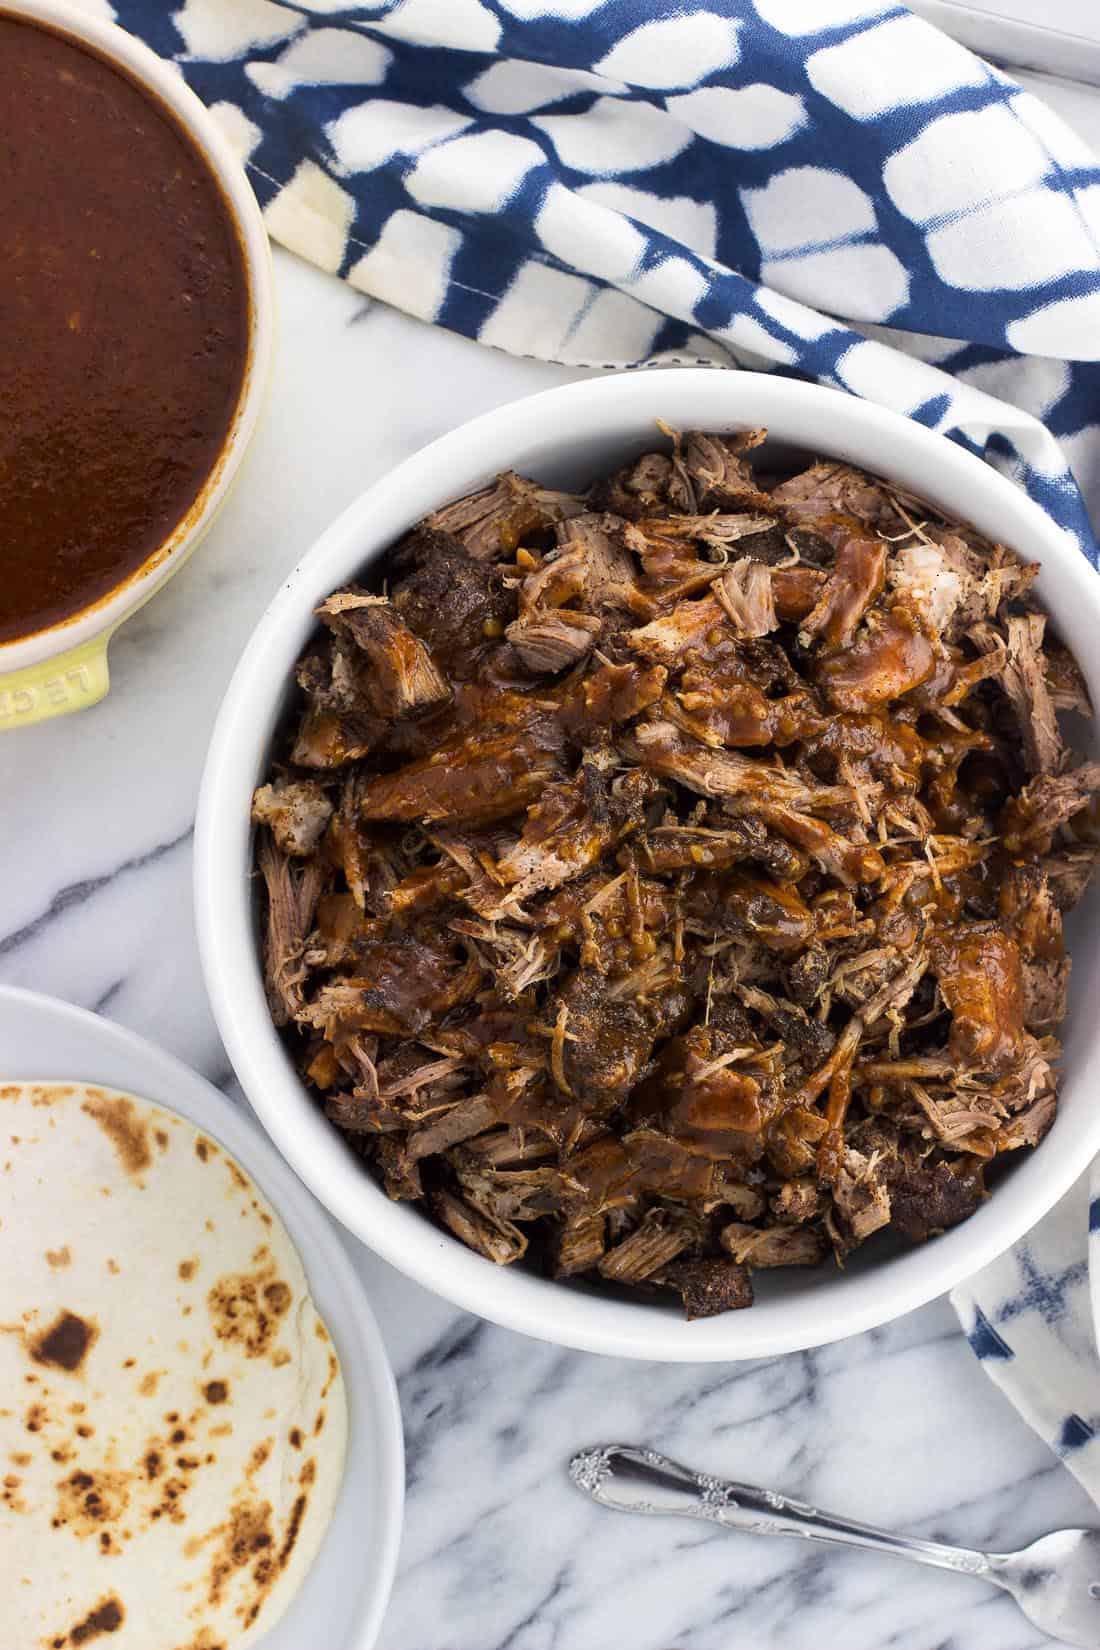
x,y
172,1413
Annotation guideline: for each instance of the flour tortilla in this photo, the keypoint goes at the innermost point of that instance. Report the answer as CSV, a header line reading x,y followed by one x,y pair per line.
x,y
173,1420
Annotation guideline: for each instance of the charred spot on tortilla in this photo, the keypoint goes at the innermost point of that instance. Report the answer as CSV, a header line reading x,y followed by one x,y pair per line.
x,y
188,1268
296,1437
246,1307
172,1491
247,1533
41,1096
107,1617
149,1382
297,1513
88,1500
205,1149
123,1127
215,1392
259,1457
66,1343
161,1138
57,1258
277,1296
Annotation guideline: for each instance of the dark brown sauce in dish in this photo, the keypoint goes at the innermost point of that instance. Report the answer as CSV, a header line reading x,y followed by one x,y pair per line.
x,y
123,326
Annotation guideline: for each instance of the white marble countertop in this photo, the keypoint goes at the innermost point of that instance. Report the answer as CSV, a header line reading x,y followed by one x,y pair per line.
x,y
898,1426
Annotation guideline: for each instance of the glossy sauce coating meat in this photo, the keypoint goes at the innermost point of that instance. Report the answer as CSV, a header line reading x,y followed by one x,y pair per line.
x,y
684,897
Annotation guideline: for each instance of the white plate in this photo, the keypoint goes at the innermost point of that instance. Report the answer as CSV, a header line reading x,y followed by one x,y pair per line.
x,y
342,1600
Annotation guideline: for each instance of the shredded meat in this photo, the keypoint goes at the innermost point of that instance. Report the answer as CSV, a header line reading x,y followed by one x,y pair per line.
x,y
297,812
666,883
398,674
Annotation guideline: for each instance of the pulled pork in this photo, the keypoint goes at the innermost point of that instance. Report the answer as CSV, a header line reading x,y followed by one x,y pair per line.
x,y
667,883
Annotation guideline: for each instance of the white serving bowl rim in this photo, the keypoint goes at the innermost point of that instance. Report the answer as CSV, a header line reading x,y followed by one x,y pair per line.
x,y
588,420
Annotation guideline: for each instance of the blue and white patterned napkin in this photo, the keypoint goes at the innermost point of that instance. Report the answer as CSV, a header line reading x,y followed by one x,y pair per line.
x,y
823,187
1029,1317
742,182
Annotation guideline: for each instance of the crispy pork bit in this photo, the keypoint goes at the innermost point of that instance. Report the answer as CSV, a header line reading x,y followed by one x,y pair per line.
x,y
579,1245
745,591
666,884
602,1036
458,606
719,475
493,523
401,678
552,642
499,1241
773,1246
573,825
1069,873
1033,818
857,578
477,775
860,1198
828,487
929,1199
892,656
298,813
1024,680
980,980
292,894
650,1247
709,1286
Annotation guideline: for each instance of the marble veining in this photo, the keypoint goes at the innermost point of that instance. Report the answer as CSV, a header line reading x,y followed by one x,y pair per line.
x,y
897,1427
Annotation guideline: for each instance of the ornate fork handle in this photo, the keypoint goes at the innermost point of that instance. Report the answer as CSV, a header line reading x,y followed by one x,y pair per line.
x,y
633,1479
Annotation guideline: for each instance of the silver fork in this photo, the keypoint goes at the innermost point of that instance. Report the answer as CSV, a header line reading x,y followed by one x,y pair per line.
x,y
1055,1581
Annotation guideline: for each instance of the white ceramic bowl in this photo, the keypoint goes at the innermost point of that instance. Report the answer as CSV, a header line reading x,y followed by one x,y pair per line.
x,y
64,667
568,437
344,1593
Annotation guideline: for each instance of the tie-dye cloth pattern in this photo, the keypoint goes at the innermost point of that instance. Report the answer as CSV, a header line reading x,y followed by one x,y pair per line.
x,y
612,182
1029,1318
822,187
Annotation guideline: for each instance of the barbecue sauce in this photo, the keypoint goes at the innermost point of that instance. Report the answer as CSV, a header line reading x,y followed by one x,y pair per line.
x,y
124,321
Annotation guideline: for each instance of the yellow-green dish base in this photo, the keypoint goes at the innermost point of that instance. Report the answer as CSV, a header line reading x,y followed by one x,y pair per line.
x,y
69,681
